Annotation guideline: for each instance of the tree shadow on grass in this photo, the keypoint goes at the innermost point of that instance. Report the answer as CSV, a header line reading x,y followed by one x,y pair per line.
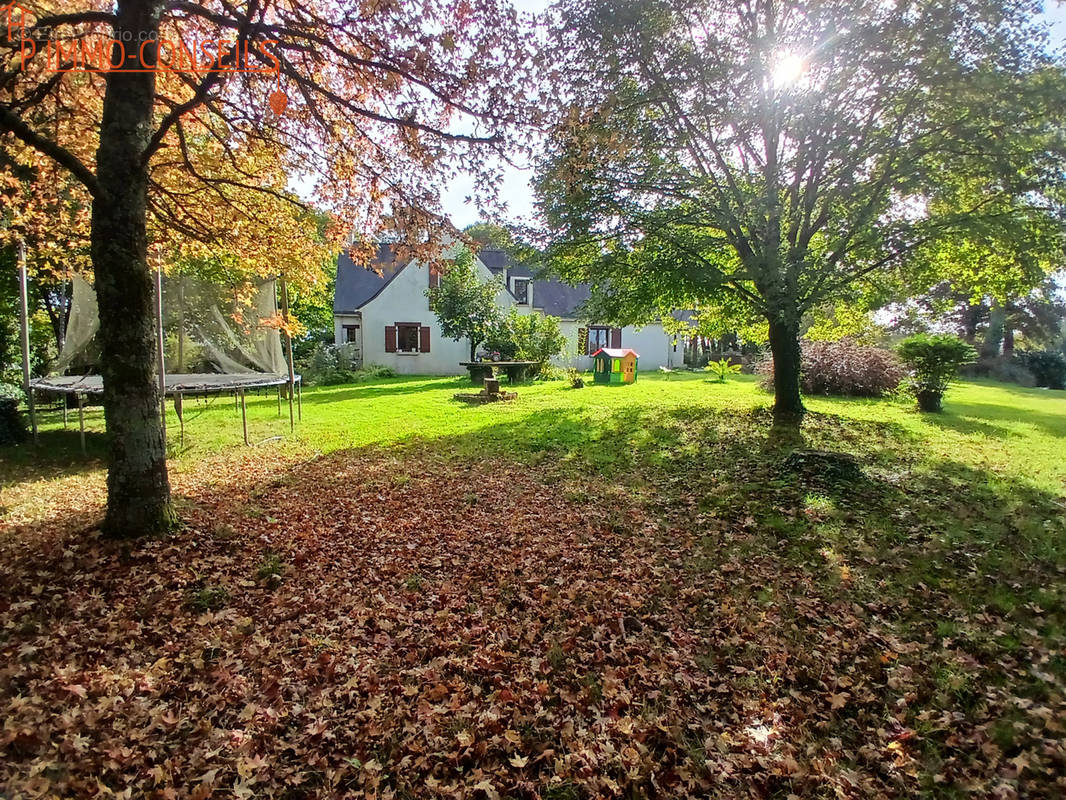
x,y
58,451
661,579
958,420
416,385
982,418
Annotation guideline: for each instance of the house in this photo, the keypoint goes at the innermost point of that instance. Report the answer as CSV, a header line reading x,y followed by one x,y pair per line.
x,y
384,313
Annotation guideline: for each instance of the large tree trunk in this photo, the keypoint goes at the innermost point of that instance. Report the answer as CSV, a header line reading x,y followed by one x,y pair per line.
x,y
994,333
971,319
785,347
1008,339
138,490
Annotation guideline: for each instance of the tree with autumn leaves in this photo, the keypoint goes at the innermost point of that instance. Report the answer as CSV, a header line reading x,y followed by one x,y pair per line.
x,y
382,102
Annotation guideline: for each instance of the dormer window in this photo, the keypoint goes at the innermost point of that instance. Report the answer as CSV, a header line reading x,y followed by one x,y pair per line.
x,y
521,291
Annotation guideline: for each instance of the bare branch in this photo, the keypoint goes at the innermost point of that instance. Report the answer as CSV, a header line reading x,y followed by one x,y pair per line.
x,y
13,123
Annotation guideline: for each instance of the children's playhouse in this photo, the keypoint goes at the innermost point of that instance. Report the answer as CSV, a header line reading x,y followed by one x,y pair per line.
x,y
614,366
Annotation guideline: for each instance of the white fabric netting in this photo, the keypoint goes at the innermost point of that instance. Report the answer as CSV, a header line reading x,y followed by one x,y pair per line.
x,y
207,328
82,325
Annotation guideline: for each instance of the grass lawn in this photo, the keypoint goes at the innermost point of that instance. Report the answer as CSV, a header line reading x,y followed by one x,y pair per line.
x,y
614,591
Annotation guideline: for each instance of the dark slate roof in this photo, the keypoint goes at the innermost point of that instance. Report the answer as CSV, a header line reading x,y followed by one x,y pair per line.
x,y
495,259
550,294
559,299
358,285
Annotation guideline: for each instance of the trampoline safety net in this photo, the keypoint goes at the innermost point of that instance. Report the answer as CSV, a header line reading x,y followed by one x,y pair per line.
x,y
216,338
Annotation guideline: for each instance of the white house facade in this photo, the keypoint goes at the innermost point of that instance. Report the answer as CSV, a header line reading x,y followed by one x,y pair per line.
x,y
383,311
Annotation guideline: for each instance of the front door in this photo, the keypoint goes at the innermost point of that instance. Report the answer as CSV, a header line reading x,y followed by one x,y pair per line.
x,y
353,339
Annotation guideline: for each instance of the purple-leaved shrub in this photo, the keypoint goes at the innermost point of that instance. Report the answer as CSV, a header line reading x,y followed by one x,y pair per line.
x,y
843,368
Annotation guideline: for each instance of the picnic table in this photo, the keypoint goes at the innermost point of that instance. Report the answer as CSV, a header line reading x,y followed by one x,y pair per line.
x,y
516,371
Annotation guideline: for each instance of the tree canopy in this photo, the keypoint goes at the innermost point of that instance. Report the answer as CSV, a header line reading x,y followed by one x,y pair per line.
x,y
465,305
767,158
196,119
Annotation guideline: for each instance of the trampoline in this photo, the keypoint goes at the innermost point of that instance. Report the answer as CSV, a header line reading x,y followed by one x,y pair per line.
x,y
189,383
177,386
234,331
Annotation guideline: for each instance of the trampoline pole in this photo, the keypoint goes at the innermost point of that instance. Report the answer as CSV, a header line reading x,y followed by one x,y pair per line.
x,y
244,417
81,423
64,412
279,401
288,343
300,399
179,409
159,349
25,308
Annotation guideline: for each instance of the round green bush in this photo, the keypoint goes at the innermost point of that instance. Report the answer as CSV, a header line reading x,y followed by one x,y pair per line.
x,y
1047,367
934,361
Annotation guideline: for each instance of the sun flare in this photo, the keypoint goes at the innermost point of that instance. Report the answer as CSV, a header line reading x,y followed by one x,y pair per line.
x,y
788,69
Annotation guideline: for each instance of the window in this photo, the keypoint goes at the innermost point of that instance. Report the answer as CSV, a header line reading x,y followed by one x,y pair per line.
x,y
521,291
599,336
407,337
351,333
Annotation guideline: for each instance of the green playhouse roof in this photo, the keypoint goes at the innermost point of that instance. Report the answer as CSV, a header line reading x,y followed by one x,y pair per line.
x,y
611,352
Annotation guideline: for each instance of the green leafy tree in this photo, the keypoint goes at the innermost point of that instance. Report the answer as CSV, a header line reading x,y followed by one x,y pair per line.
x,y
1034,319
528,337
312,305
770,158
465,305
491,234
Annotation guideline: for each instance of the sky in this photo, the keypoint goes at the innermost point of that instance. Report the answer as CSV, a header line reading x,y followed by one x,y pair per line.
x,y
515,191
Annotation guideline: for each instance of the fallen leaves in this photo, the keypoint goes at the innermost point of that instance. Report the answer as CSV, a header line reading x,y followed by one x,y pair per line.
x,y
531,645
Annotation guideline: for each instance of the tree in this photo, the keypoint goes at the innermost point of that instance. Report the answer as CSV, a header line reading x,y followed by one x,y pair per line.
x,y
121,95
528,337
312,309
465,305
1036,317
490,234
769,158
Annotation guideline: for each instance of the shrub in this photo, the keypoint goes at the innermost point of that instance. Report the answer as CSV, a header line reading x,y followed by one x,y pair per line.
x,y
575,378
501,339
1047,367
842,368
322,366
373,372
332,364
12,424
722,369
527,337
934,360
